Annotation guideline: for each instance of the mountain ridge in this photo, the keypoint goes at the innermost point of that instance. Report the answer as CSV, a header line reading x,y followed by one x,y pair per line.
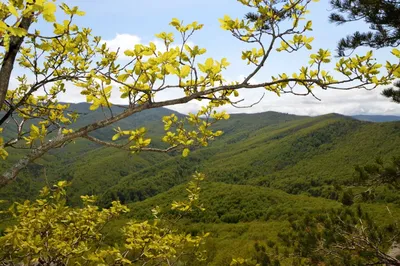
x,y
84,107
377,118
264,149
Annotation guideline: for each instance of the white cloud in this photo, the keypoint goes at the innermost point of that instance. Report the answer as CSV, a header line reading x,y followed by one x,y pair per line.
x,y
73,94
332,101
127,41
123,42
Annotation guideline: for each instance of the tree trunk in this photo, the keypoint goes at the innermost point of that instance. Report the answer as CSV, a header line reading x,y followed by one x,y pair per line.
x,y
9,59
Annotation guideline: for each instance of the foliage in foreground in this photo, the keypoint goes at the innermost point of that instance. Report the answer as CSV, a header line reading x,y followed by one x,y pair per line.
x,y
48,231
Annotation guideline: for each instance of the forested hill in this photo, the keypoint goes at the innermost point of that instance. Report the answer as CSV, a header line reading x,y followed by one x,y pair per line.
x,y
266,170
296,154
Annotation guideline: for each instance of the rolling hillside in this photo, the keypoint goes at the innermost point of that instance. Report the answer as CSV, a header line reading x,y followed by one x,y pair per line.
x,y
303,155
266,171
292,153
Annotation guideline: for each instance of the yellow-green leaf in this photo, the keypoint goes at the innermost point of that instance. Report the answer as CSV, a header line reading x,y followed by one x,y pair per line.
x,y
49,10
34,130
185,70
12,10
185,152
116,136
123,77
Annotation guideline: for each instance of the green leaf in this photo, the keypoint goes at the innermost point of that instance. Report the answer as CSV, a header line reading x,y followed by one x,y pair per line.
x,y
123,77
185,152
116,136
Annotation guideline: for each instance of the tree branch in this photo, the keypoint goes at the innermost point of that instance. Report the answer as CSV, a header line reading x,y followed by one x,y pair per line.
x,y
11,174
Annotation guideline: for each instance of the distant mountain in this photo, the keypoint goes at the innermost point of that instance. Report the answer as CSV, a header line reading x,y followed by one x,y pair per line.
x,y
377,118
291,153
297,154
152,118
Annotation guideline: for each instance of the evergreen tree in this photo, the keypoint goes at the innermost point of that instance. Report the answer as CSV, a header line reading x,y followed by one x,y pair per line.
x,y
383,19
393,93
347,198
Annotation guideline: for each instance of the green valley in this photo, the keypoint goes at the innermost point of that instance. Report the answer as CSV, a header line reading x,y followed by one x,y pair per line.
x,y
266,171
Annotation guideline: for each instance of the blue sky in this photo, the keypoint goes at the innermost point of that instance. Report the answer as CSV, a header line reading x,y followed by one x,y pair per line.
x,y
138,21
